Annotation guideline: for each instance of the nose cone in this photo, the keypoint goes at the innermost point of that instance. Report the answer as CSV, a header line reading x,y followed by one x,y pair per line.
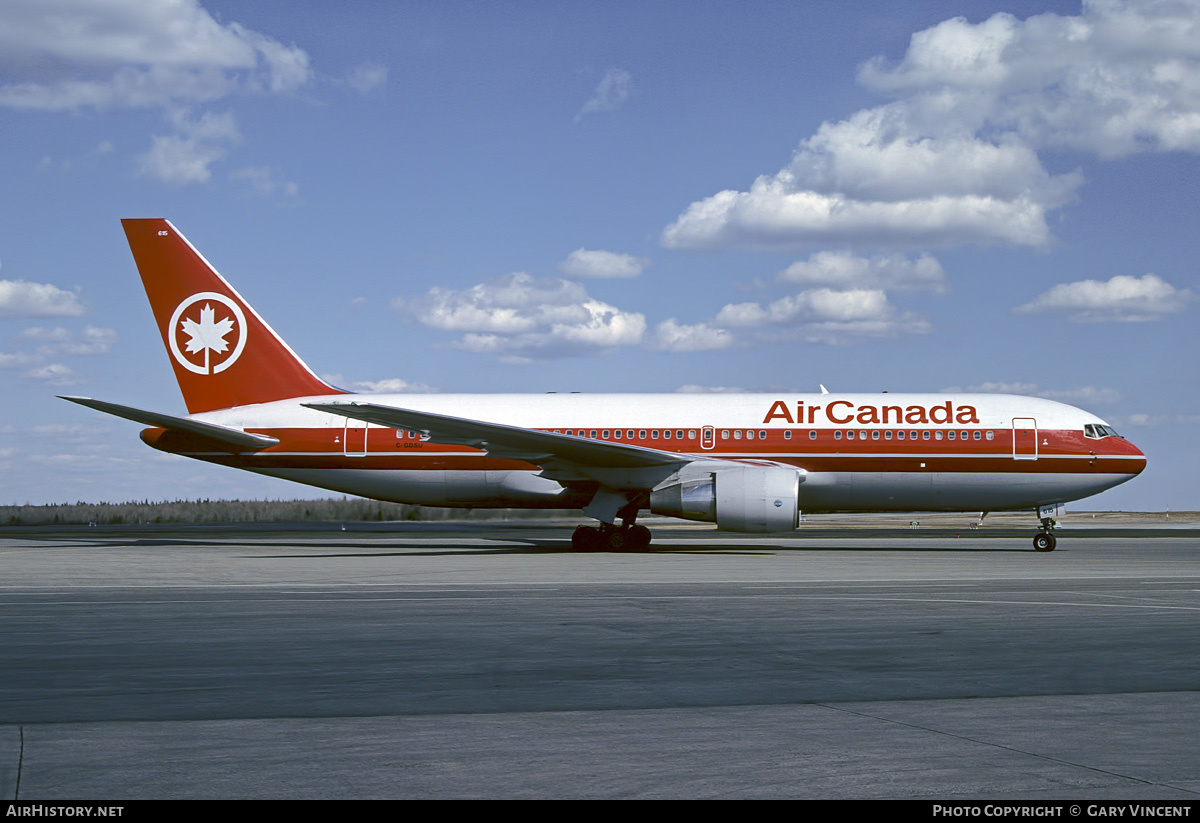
x,y
1140,462
1133,459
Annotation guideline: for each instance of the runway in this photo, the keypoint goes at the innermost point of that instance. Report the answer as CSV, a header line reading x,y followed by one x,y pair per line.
x,y
411,660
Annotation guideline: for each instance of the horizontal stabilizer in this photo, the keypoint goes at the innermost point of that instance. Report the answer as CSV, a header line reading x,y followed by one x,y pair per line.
x,y
225,434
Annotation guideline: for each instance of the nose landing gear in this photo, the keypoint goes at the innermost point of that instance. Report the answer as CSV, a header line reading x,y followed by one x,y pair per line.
x,y
1044,541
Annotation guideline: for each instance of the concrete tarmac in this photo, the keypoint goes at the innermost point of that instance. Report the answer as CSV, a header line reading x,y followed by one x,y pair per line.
x,y
416,660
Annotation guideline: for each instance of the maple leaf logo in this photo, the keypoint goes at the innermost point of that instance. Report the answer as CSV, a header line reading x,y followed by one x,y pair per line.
x,y
208,335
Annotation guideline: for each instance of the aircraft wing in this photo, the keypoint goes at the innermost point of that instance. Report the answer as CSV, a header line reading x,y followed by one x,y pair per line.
x,y
225,434
541,448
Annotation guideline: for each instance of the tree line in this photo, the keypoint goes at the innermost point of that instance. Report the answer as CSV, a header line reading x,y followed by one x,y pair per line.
x,y
348,509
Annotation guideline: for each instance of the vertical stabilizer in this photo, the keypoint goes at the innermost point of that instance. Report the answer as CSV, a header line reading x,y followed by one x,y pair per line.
x,y
223,353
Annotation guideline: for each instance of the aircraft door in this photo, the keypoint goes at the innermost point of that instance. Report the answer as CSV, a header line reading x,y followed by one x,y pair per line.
x,y
707,437
1025,438
354,438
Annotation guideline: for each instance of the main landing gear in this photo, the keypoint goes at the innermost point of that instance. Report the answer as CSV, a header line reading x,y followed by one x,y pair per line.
x,y
627,537
1044,541
611,538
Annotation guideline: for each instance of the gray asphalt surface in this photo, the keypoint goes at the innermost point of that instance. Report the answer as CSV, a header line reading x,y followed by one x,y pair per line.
x,y
488,661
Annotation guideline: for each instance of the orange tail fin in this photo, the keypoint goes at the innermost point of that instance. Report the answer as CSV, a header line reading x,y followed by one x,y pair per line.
x,y
223,353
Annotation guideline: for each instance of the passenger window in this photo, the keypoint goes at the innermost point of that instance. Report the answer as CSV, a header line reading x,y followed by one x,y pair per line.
x,y
925,435
654,434
679,434
691,434
737,434
666,434
762,434
724,434
642,434
991,436
787,434
937,435
976,434
812,435
837,434
593,435
887,435
900,435
949,435
875,434
606,434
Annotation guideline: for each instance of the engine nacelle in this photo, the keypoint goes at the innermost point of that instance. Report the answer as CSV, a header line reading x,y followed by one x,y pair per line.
x,y
738,498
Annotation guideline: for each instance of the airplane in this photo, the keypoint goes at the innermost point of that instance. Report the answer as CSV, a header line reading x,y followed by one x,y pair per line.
x,y
748,463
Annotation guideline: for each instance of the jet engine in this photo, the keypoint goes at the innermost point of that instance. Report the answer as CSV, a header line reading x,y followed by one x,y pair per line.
x,y
735,497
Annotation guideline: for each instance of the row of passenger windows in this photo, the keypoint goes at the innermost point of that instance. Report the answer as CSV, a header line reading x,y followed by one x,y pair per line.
x,y
755,434
642,434
761,434
913,435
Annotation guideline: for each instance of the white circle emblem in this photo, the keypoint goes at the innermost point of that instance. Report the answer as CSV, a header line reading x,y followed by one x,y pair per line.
x,y
205,329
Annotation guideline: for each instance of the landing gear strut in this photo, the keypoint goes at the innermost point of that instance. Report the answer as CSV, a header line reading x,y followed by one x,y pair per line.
x,y
628,537
1044,541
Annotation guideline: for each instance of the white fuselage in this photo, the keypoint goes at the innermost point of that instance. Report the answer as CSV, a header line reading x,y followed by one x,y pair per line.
x,y
858,452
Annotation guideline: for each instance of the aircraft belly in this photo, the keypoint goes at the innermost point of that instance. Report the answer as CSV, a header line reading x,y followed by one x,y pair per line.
x,y
947,491
439,487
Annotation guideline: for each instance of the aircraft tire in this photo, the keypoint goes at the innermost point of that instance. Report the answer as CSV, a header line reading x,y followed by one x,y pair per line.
x,y
639,538
618,540
1044,542
586,539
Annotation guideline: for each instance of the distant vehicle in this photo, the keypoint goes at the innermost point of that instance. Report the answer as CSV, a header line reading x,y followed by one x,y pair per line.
x,y
747,462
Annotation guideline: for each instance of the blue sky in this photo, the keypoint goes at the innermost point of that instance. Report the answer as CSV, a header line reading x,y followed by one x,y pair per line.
x,y
658,197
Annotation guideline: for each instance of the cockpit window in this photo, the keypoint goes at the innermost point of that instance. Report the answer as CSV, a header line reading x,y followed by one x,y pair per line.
x,y
1098,431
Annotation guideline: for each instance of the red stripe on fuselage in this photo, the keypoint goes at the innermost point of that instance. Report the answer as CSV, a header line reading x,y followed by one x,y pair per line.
x,y
1058,451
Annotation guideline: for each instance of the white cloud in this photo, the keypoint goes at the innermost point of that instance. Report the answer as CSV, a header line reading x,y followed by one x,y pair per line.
x,y
59,341
815,316
953,160
17,360
695,388
367,78
605,264
824,305
185,158
19,298
55,374
612,91
1082,396
73,54
671,335
1122,298
179,160
520,318
391,385
1162,419
267,182
846,270
1119,78
877,180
